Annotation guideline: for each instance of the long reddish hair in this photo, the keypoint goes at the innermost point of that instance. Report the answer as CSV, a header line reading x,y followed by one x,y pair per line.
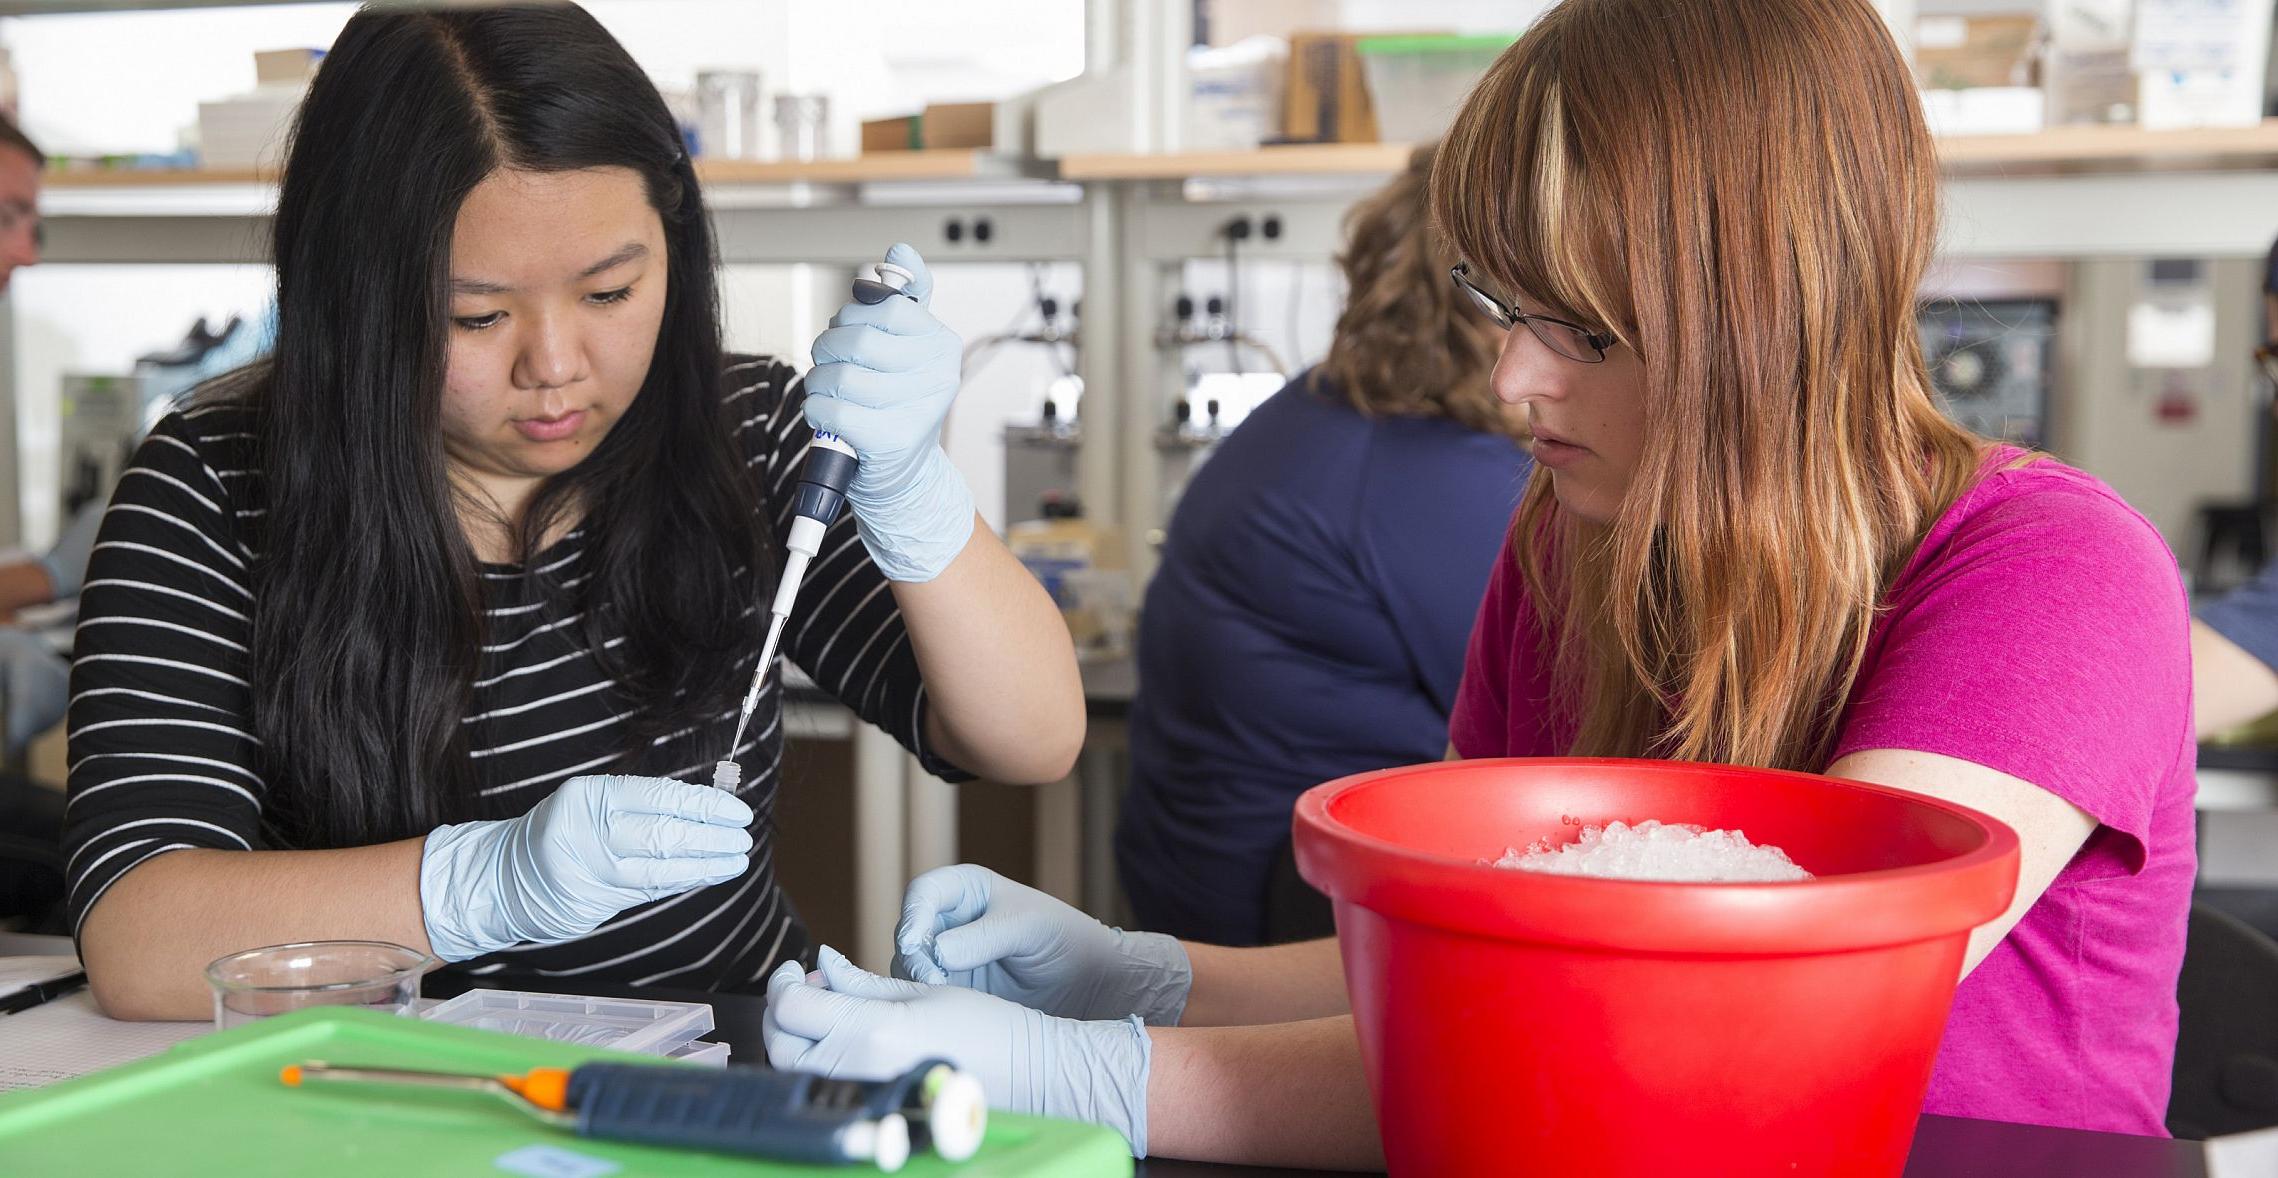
x,y
1745,193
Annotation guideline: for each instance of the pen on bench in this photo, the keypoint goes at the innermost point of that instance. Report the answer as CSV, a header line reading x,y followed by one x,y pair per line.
x,y
38,992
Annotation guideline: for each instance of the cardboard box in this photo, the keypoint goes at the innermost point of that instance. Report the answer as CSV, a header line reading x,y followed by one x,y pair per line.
x,y
944,124
247,132
895,134
1963,52
1326,100
1087,113
286,65
959,124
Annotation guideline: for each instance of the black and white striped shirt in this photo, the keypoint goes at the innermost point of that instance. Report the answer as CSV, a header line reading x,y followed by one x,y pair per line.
x,y
162,735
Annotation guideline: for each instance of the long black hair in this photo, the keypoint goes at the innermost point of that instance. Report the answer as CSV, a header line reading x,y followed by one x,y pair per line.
x,y
368,616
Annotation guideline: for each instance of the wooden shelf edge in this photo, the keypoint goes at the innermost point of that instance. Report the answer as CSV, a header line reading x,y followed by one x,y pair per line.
x,y
883,167
2122,148
1305,159
150,177
2119,148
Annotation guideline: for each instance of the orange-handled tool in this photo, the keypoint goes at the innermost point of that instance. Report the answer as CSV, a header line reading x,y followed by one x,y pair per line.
x,y
750,1111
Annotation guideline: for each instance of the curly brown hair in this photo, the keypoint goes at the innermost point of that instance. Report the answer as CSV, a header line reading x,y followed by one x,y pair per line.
x,y
1407,342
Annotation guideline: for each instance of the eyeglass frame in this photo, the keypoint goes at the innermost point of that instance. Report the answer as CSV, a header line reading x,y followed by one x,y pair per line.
x,y
1509,317
2266,356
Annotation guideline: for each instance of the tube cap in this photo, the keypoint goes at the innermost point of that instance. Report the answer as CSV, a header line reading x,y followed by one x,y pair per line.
x,y
956,1115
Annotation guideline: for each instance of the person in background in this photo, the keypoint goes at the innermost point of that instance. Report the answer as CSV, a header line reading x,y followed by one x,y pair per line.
x,y
428,629
30,582
34,677
20,164
2234,640
1309,616
32,673
1754,539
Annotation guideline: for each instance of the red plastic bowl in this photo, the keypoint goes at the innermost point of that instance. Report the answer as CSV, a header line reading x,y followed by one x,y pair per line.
x,y
1521,1022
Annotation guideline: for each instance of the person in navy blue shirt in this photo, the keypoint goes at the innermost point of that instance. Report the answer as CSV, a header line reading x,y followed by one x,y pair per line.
x,y
1317,587
2234,642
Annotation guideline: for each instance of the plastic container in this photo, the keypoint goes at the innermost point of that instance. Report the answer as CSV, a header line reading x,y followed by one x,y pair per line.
x,y
713,1055
275,979
1417,83
802,126
727,118
621,1024
1574,1025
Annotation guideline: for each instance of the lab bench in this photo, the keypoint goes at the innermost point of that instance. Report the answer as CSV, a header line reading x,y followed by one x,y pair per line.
x,y
1944,1147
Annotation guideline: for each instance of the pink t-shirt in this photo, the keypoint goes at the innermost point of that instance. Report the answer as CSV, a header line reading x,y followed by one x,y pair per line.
x,y
2042,631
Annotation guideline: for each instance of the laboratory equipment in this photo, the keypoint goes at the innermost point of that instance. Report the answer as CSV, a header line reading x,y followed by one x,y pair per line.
x,y
821,493
727,114
1619,1027
99,423
786,1116
668,1029
1040,465
276,979
802,126
1082,565
1991,362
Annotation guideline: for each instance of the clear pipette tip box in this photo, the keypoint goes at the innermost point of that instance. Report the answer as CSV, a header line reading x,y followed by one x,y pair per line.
x,y
625,1024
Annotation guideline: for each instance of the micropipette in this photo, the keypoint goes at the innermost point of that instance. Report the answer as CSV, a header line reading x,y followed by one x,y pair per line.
x,y
823,479
758,1112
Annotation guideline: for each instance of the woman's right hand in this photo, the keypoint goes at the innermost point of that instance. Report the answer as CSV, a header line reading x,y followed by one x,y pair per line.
x,y
595,847
968,926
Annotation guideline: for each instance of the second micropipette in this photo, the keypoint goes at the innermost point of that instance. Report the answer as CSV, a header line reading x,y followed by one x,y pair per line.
x,y
823,479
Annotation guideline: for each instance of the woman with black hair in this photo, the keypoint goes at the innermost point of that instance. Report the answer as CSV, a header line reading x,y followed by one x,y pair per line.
x,y
424,630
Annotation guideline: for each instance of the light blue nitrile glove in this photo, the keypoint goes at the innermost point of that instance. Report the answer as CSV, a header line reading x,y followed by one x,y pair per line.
x,y
968,926
883,379
853,1024
595,847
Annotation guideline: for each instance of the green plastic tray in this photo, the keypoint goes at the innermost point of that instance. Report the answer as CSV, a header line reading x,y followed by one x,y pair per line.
x,y
214,1106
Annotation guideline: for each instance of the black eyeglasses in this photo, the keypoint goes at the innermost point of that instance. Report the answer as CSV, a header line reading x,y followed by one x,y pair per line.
x,y
1571,340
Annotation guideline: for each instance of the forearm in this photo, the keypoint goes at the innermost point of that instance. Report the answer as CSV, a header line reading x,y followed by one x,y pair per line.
x,y
1294,1094
1279,984
1005,699
24,583
2229,686
149,939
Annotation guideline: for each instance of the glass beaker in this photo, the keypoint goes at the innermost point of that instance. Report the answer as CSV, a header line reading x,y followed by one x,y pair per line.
x,y
275,979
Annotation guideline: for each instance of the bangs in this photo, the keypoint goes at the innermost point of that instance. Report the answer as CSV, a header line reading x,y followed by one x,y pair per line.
x,y
1512,196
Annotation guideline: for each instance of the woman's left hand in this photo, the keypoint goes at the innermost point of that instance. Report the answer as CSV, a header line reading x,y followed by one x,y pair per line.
x,y
884,377
853,1024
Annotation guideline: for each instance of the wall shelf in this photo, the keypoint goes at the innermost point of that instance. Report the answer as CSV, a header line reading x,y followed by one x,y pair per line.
x,y
2059,150
879,168
2081,148
2114,149
1303,159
